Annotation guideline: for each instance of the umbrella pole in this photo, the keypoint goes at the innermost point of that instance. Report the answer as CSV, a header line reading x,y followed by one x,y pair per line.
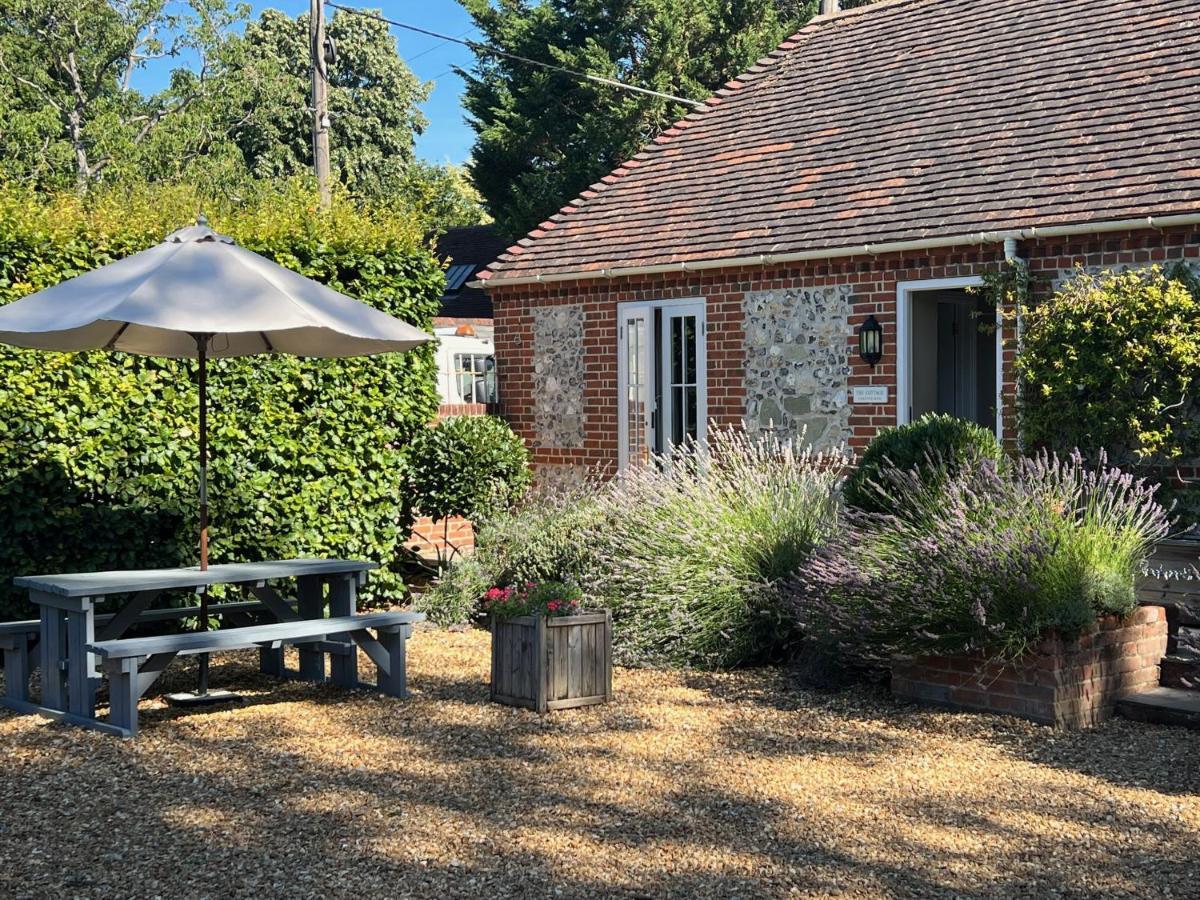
x,y
203,696
202,353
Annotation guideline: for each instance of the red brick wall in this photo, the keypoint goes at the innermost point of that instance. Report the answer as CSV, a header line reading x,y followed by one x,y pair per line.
x,y
450,410
874,281
1068,685
428,537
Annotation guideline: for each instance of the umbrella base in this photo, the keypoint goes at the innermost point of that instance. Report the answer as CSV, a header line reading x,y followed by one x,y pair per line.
x,y
208,698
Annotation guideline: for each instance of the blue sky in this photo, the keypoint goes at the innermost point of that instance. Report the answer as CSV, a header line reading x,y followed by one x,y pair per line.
x,y
448,138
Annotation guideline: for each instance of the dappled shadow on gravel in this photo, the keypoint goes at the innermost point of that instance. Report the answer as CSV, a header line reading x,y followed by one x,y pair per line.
x,y
687,786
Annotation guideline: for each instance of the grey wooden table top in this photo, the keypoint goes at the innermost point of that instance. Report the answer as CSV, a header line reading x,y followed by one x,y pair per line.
x,y
98,584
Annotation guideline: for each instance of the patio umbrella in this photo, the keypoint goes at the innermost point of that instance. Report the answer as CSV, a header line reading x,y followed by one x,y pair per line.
x,y
199,295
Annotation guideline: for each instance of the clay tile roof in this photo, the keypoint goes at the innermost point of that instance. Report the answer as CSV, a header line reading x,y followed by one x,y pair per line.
x,y
909,119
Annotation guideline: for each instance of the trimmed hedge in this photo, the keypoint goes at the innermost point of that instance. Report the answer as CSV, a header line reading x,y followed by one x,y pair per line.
x,y
98,451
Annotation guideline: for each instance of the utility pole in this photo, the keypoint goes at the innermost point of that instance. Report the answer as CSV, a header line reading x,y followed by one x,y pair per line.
x,y
320,98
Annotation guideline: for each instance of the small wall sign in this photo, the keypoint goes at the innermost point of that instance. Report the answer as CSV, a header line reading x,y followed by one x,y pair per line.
x,y
871,394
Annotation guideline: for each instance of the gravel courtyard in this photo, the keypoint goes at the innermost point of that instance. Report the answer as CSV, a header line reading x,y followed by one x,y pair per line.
x,y
689,785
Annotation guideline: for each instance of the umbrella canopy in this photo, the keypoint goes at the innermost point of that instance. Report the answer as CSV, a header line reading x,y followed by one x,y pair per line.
x,y
200,283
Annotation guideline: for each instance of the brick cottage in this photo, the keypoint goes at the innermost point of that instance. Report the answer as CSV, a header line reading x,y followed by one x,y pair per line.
x,y
876,164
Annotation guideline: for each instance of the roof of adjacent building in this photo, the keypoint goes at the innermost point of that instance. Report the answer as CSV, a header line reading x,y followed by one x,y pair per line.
x,y
906,120
467,251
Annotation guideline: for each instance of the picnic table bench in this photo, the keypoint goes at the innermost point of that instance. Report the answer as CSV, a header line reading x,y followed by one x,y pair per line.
x,y
71,639
133,664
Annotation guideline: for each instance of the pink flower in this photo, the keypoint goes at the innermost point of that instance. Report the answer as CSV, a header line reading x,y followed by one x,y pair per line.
x,y
552,606
497,595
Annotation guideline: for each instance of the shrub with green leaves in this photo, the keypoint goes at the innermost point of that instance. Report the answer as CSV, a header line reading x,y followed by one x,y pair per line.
x,y
937,444
986,559
1111,362
543,538
467,466
98,463
688,555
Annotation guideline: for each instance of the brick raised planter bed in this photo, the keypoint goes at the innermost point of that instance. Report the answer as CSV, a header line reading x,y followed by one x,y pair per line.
x,y
1068,684
552,663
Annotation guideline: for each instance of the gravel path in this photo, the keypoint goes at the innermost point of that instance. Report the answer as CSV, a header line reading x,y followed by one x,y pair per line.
x,y
689,785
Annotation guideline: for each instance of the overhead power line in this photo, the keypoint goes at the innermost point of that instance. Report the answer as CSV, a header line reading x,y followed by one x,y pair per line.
x,y
495,51
437,45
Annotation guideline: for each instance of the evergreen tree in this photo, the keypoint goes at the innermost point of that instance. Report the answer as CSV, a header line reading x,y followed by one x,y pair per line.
x,y
543,136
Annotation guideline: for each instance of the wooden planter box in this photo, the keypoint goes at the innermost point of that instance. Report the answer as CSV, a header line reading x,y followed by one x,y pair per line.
x,y
1073,684
552,663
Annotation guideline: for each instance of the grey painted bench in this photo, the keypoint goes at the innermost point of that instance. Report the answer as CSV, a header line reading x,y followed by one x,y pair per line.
x,y
18,640
133,664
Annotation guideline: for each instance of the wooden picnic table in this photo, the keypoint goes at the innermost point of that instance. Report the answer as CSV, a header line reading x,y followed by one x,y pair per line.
x,y
71,636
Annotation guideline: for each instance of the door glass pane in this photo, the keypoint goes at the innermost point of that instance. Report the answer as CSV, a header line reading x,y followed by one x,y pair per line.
x,y
678,429
689,350
676,351
683,393
637,390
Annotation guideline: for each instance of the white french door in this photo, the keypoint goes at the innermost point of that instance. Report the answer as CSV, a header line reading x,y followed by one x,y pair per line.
x,y
661,377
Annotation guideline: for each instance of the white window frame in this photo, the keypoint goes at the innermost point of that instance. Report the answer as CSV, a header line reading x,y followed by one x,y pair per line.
x,y
697,306
456,373
904,299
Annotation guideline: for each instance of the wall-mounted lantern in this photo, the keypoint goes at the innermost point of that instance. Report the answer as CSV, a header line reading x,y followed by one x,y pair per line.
x,y
870,341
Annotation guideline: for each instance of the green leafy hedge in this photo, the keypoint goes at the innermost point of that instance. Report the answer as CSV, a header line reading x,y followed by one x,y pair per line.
x,y
98,451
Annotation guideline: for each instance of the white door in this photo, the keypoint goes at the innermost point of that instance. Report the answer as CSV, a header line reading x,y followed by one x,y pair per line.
x,y
661,376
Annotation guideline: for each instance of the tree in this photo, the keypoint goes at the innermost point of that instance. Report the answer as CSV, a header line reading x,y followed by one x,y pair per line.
x,y
69,111
234,121
542,137
444,194
468,466
373,102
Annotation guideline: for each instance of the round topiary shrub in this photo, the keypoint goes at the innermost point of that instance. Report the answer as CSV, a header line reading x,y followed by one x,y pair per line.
x,y
466,466
935,443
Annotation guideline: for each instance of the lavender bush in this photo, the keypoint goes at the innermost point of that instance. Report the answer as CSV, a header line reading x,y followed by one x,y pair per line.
x,y
988,559
689,555
543,538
